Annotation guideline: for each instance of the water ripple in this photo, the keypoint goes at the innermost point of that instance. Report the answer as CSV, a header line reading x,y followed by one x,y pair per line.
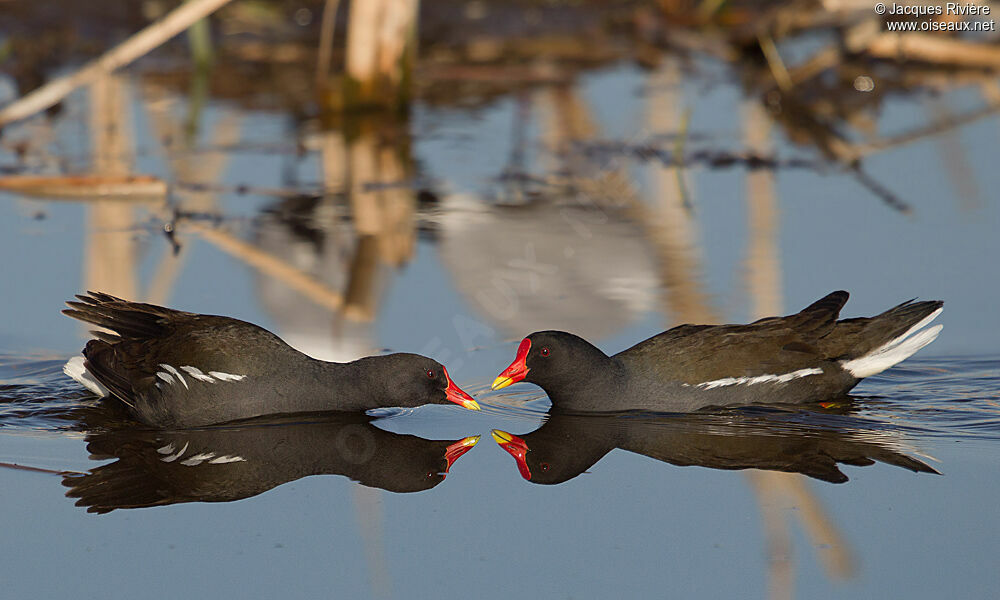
x,y
955,398
952,398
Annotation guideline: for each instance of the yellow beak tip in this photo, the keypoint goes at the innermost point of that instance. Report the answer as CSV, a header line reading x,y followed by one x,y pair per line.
x,y
500,382
471,405
500,437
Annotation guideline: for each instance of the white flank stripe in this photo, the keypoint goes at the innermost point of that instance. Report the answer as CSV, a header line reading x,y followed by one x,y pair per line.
x,y
166,449
227,459
165,377
225,376
197,374
176,374
197,459
783,378
75,369
174,457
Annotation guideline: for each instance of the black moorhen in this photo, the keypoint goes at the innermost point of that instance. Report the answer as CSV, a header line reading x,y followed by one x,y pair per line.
x,y
227,463
181,369
806,357
812,444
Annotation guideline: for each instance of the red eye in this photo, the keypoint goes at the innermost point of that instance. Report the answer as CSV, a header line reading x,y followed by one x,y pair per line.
x,y
545,466
430,374
545,351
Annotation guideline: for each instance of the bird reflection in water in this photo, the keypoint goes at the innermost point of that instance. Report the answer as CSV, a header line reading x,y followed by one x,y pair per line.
x,y
226,463
812,444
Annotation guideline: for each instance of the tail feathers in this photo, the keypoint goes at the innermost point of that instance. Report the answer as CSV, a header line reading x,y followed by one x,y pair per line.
x,y
820,317
831,303
895,350
127,319
76,369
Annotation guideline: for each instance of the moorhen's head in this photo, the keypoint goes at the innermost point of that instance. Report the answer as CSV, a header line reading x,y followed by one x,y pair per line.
x,y
550,459
406,463
414,380
533,466
553,360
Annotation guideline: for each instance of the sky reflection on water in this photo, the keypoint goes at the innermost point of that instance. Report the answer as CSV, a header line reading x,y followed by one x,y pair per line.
x,y
434,276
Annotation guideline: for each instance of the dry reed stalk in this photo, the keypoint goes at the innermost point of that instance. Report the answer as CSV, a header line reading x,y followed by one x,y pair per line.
x,y
85,187
935,49
134,47
381,48
272,266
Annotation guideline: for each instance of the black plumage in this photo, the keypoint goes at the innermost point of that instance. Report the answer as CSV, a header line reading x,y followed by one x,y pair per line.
x,y
567,445
180,369
809,356
227,463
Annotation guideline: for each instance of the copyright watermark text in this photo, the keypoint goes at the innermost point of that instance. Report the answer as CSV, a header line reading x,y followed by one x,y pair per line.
x,y
947,9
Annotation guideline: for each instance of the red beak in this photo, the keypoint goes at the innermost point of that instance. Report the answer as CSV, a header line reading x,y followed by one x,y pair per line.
x,y
456,450
517,370
516,447
456,395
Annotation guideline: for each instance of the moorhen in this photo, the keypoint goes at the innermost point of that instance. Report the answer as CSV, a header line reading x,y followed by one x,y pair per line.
x,y
227,463
806,357
181,369
812,444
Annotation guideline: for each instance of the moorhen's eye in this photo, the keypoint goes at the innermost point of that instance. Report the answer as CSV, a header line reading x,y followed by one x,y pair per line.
x,y
430,374
430,474
545,351
545,466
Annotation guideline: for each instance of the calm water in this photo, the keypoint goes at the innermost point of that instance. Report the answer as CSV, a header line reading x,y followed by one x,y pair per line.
x,y
454,236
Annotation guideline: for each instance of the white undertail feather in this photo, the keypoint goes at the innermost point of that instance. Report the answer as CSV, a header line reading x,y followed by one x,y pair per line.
x,y
75,369
895,350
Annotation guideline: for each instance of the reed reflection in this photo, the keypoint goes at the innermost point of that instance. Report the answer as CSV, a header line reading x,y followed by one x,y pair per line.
x,y
813,444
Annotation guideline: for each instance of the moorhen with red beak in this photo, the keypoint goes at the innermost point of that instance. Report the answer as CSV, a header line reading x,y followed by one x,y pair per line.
x,y
806,357
226,463
813,444
178,369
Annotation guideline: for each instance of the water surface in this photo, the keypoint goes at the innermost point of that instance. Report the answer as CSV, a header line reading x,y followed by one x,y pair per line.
x,y
455,234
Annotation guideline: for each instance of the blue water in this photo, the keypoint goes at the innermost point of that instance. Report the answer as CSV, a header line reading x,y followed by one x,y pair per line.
x,y
635,522
462,279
